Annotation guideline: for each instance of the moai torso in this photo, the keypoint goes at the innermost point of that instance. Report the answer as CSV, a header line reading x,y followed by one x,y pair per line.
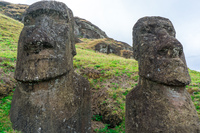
x,y
49,96
160,102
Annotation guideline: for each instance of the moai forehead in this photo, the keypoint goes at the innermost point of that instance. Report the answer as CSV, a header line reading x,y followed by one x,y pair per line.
x,y
46,44
48,5
160,55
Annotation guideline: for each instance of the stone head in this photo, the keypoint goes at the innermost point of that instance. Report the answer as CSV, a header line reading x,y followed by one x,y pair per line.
x,y
46,44
159,54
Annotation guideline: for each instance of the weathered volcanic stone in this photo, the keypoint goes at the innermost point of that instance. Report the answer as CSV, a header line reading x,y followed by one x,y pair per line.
x,y
49,96
109,46
46,44
86,29
160,102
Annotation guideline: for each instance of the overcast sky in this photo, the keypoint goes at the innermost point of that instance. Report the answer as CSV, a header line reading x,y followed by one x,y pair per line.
x,y
117,17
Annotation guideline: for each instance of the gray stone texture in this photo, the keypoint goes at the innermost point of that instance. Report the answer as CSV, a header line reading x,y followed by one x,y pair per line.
x,y
110,46
49,96
85,29
160,102
46,43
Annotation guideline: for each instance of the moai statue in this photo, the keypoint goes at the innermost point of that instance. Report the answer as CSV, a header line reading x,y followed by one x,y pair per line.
x,y
160,102
49,97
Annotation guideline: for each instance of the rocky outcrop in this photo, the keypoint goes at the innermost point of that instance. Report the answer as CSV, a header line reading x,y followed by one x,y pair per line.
x,y
82,29
4,3
14,11
85,29
110,46
160,102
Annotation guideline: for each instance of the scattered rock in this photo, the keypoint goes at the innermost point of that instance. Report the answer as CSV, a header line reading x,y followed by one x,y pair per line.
x,y
126,53
91,73
7,83
97,125
191,91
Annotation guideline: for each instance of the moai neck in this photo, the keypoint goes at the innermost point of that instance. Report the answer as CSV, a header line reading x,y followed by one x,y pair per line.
x,y
174,95
50,84
149,84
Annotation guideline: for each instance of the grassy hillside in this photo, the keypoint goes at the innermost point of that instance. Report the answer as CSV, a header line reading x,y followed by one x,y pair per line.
x,y
9,34
12,10
111,77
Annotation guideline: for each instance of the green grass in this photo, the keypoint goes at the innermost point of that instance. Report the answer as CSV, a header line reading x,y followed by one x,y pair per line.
x,y
110,74
115,64
112,68
5,104
97,117
9,34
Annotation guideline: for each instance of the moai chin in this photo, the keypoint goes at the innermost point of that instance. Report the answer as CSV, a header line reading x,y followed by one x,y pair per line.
x,y
49,96
160,102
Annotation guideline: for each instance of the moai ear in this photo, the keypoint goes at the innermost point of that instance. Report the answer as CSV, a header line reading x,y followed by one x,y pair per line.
x,y
73,48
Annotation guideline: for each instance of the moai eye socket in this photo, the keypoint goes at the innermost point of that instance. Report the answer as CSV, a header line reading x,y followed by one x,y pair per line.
x,y
163,51
145,30
27,20
169,29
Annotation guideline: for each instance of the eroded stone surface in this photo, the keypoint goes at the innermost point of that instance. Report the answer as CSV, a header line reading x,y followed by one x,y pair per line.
x,y
160,102
110,46
49,96
159,54
86,29
46,44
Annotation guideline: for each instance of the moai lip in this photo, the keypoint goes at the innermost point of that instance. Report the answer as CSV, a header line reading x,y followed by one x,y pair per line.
x,y
46,45
160,102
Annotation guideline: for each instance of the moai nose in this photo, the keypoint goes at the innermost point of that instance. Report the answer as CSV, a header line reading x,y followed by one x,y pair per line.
x,y
169,45
176,48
